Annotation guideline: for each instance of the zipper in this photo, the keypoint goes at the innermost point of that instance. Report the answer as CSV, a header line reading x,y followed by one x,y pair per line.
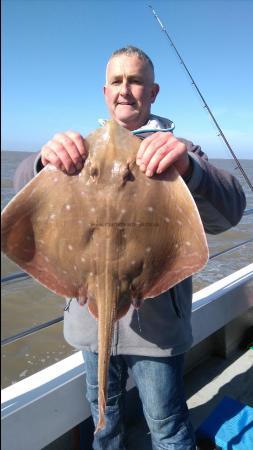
x,y
68,305
115,339
173,296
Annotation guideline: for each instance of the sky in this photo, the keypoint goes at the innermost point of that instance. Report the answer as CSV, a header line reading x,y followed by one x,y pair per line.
x,y
54,54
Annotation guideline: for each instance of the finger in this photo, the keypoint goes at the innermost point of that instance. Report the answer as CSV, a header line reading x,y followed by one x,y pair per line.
x,y
63,156
169,159
148,154
154,162
70,148
80,143
156,151
144,145
162,137
48,156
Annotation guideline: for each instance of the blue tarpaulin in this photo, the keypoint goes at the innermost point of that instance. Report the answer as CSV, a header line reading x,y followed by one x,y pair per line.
x,y
229,426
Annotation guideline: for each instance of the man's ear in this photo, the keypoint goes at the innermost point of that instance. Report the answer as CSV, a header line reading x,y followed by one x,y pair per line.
x,y
154,92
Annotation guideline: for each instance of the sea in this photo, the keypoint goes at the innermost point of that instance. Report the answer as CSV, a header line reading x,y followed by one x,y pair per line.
x,y
26,304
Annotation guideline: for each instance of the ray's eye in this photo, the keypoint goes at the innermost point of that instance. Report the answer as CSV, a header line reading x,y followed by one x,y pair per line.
x,y
94,171
127,175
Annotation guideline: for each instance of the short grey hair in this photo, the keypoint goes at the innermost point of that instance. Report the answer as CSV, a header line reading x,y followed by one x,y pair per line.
x,y
130,50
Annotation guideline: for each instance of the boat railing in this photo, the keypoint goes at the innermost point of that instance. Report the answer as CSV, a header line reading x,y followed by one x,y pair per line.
x,y
21,276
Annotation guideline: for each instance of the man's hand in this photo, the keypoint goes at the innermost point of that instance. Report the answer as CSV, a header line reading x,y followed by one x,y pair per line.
x,y
66,151
159,151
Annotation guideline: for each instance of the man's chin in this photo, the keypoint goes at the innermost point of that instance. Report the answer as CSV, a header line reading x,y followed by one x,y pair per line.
x,y
126,121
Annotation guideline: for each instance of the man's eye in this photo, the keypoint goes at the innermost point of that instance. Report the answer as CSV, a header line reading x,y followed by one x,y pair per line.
x,y
115,82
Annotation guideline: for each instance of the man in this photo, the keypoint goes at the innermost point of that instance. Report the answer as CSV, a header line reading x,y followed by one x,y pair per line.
x,y
155,350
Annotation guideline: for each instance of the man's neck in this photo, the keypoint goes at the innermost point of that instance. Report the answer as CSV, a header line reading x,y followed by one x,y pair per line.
x,y
131,126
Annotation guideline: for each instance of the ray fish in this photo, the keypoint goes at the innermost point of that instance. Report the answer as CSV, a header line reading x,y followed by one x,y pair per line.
x,y
108,236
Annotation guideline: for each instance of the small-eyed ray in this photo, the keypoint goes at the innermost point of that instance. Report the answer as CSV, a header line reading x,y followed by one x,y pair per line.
x,y
109,236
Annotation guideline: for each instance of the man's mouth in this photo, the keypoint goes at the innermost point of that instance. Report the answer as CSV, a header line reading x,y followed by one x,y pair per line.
x,y
125,103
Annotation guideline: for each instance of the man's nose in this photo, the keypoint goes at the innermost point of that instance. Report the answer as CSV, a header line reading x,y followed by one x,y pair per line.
x,y
124,88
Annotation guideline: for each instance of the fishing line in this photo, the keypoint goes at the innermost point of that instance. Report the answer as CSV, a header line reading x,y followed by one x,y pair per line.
x,y
205,105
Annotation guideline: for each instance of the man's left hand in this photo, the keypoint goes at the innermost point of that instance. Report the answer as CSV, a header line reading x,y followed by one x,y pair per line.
x,y
159,151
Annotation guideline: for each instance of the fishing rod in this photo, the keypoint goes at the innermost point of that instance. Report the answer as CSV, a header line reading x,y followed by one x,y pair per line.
x,y
203,100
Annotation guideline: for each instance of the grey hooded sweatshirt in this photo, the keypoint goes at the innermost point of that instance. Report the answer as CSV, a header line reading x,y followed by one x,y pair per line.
x,y
162,326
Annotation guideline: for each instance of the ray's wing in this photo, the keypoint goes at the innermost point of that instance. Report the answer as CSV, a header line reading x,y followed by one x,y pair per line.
x,y
167,243
182,232
41,233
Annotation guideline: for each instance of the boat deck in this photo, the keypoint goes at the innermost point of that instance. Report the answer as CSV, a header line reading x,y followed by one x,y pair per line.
x,y
206,385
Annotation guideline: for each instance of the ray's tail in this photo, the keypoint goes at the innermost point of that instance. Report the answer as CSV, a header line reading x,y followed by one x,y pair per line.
x,y
107,315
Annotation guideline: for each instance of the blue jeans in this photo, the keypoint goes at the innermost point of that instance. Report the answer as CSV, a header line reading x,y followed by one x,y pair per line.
x,y
160,385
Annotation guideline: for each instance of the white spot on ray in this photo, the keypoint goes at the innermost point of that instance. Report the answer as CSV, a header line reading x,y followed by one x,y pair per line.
x,y
53,216
68,207
148,249
179,222
46,258
116,167
93,209
70,247
188,243
133,262
167,219
150,208
123,211
83,259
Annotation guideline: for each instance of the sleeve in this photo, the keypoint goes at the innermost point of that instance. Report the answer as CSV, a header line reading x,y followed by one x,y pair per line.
x,y
26,170
218,194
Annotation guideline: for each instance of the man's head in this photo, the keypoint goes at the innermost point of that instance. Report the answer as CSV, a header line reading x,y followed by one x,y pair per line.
x,y
130,88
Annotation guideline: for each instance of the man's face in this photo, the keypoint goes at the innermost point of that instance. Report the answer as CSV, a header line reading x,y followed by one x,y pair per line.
x,y
129,90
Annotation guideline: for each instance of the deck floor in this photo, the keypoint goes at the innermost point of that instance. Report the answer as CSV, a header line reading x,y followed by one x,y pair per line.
x,y
205,386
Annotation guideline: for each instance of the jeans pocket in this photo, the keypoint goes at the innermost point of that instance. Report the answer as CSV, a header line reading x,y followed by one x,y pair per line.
x,y
92,392
112,401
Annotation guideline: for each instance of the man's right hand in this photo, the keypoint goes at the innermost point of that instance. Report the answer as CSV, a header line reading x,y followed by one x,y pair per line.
x,y
66,151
